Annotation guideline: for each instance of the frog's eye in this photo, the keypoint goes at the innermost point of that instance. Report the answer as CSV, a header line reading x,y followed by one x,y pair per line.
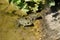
x,y
39,18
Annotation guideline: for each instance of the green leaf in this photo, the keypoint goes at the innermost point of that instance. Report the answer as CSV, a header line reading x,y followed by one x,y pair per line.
x,y
15,1
21,5
31,3
49,2
10,1
22,1
52,4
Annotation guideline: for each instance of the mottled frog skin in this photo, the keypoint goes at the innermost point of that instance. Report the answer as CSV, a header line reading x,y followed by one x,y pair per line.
x,y
29,20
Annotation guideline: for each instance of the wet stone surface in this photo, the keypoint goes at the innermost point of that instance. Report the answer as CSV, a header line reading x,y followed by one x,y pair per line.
x,y
53,26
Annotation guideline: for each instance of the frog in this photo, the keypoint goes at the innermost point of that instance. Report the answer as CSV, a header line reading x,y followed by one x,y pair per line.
x,y
31,18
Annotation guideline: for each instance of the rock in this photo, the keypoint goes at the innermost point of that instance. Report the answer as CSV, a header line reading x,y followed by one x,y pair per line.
x,y
53,25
